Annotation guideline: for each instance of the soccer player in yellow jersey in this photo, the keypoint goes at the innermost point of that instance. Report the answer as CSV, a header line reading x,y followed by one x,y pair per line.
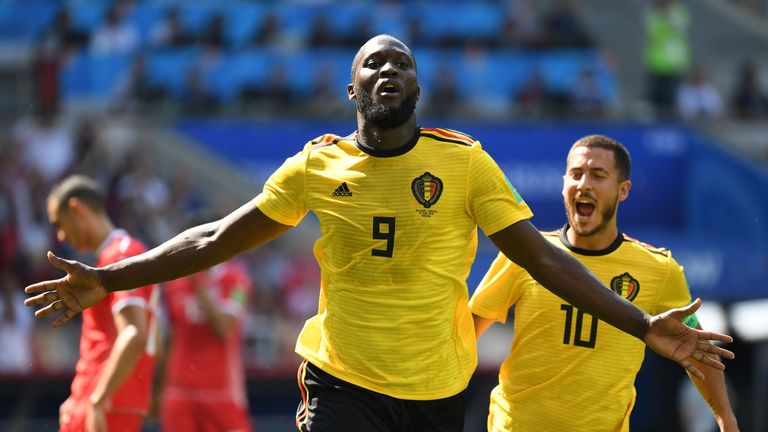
x,y
392,346
567,370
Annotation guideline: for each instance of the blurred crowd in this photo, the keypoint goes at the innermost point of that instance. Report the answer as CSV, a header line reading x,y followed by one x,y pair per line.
x,y
460,76
491,28
678,87
147,201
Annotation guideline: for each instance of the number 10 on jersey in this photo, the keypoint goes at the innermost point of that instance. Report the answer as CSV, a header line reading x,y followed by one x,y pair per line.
x,y
577,338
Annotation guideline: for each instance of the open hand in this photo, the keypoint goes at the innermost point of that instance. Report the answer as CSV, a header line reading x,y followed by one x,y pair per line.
x,y
81,288
669,337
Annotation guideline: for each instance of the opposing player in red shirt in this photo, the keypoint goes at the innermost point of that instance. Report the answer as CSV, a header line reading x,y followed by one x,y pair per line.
x,y
112,384
204,387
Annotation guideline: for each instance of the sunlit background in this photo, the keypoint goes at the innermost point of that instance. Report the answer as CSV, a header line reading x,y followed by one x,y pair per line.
x,y
181,106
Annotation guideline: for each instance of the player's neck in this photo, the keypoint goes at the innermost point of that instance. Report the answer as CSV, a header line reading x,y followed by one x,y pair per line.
x,y
102,228
374,137
600,240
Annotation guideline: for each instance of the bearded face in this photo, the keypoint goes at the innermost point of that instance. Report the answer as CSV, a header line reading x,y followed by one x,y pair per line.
x,y
385,116
384,84
592,191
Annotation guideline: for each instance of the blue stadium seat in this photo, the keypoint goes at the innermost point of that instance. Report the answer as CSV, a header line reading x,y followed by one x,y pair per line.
x,y
87,16
295,19
168,68
464,20
93,77
145,16
196,15
561,68
242,19
236,71
24,21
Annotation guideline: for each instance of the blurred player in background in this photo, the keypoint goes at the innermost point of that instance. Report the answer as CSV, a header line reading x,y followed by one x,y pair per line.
x,y
566,369
392,347
112,384
204,382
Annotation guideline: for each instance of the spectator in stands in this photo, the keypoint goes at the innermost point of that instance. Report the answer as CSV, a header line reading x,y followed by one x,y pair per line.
x,y
273,96
204,382
563,27
62,36
112,384
91,156
748,100
268,32
46,145
444,98
326,98
116,36
146,197
213,35
320,33
136,91
587,99
23,230
667,52
14,356
698,98
530,98
170,33
522,26
358,34
199,97
414,31
58,44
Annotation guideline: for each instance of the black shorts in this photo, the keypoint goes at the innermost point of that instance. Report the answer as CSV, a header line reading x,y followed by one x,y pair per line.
x,y
329,404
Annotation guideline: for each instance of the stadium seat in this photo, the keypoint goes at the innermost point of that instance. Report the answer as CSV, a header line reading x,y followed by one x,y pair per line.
x,y
93,77
24,21
168,68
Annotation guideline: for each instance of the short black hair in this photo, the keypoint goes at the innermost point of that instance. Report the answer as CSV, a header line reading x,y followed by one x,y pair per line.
x,y
356,59
620,153
81,187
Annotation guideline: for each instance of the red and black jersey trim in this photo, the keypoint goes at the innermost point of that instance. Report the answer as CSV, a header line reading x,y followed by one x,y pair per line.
x,y
447,135
325,140
650,248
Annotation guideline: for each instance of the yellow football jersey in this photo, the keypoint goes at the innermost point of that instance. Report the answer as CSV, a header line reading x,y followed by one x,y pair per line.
x,y
566,370
398,236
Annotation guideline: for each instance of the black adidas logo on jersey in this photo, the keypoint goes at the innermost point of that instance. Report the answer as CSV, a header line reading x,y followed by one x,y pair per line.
x,y
342,191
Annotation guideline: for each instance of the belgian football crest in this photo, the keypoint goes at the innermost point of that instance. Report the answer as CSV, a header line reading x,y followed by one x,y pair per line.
x,y
625,286
427,189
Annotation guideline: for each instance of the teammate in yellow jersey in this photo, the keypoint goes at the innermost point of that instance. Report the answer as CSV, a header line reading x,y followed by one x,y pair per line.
x,y
392,346
568,370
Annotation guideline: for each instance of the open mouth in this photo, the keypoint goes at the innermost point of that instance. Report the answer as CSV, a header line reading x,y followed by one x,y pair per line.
x,y
389,90
585,209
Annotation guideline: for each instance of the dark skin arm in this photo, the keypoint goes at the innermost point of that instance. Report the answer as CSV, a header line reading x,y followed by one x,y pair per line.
x,y
218,321
569,279
191,251
566,277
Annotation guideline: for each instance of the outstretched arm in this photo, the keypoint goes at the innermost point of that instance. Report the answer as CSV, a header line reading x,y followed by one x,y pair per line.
x,y
569,279
712,388
189,252
566,277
